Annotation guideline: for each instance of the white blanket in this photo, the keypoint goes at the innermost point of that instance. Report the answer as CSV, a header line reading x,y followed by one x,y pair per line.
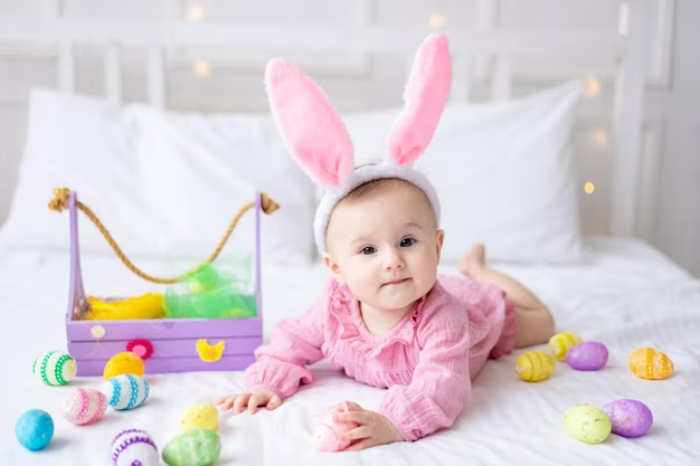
x,y
626,295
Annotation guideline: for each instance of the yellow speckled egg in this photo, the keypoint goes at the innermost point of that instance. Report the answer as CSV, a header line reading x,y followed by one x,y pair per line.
x,y
200,416
534,366
124,363
647,363
587,424
560,343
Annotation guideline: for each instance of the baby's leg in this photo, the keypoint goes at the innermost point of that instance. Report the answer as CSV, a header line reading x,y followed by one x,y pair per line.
x,y
535,324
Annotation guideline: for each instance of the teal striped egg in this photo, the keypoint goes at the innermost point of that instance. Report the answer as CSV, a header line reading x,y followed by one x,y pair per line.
x,y
126,391
55,368
196,447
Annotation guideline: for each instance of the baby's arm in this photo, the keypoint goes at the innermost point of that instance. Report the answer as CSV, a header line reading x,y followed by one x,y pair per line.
x,y
281,365
441,382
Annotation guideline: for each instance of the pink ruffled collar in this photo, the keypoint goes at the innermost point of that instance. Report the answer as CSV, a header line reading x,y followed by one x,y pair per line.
x,y
345,307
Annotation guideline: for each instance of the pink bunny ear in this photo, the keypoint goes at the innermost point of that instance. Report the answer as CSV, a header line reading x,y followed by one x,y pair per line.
x,y
425,97
308,123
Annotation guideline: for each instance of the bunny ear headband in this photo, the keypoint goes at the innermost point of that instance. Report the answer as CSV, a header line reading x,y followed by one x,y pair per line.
x,y
315,135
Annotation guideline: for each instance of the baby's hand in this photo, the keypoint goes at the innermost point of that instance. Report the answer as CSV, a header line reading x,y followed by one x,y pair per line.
x,y
372,429
258,397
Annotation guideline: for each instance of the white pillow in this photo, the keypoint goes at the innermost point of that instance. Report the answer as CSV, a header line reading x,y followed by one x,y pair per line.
x,y
156,181
504,172
84,144
200,169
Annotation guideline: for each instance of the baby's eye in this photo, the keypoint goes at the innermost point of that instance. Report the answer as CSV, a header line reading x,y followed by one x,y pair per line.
x,y
367,250
408,242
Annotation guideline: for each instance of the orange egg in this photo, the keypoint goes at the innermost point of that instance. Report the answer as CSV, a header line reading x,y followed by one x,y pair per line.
x,y
647,363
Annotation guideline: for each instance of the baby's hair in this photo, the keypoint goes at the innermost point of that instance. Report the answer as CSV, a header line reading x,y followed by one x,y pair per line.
x,y
382,185
378,186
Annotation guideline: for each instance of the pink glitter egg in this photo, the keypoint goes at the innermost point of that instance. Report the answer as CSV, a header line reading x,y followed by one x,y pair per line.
x,y
325,436
630,418
84,405
587,356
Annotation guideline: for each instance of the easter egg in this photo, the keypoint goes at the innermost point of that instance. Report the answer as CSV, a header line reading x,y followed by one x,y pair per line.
x,y
647,363
630,418
200,416
196,447
124,363
587,356
325,435
587,424
534,366
84,405
126,391
34,429
55,368
134,447
560,343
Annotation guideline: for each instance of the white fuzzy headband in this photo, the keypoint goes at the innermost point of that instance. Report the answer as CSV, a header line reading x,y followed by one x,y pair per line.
x,y
317,138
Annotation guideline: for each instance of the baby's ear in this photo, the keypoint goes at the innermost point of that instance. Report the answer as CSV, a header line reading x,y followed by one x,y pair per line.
x,y
439,241
333,267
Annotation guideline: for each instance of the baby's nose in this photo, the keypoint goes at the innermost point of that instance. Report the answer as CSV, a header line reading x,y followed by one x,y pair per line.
x,y
393,260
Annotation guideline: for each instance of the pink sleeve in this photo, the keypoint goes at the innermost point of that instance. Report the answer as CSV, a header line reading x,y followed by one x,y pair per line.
x,y
441,382
295,343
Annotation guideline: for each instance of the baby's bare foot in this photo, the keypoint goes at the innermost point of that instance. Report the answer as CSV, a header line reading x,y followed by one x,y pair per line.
x,y
472,262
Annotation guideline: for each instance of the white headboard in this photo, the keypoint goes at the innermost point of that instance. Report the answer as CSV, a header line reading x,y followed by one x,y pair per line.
x,y
484,60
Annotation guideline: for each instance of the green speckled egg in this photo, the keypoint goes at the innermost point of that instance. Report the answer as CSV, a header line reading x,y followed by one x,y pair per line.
x,y
196,447
587,424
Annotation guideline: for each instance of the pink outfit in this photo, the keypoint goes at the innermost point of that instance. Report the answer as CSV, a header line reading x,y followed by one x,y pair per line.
x,y
426,362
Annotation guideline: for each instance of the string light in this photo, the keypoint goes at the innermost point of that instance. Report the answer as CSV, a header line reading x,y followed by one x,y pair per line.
x,y
194,12
591,87
202,68
600,137
437,21
589,188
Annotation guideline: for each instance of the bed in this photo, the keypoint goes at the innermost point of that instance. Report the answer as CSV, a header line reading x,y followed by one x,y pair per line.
x,y
166,182
625,295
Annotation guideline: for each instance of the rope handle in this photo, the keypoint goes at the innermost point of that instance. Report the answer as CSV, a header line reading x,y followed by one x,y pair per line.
x,y
60,203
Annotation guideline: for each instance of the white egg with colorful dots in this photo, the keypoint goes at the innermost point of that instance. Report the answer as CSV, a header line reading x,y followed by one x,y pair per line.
x,y
134,447
126,391
55,368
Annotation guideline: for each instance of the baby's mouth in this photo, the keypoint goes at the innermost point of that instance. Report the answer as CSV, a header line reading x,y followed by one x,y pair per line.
x,y
396,281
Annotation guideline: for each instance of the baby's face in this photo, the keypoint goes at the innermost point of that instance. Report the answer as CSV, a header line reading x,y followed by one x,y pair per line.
x,y
385,246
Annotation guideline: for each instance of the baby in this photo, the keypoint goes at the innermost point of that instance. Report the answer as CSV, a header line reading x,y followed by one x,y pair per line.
x,y
385,317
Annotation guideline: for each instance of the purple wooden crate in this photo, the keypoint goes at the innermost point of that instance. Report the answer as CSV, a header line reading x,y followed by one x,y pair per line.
x,y
174,341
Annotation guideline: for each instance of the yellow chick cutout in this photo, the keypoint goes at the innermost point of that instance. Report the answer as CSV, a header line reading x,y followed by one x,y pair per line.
x,y
210,353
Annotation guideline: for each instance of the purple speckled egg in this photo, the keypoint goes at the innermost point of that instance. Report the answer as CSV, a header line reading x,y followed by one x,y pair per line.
x,y
587,356
630,418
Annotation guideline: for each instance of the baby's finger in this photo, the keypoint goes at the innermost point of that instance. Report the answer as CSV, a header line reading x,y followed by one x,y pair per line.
x,y
240,401
274,403
340,407
356,433
358,417
253,403
362,444
227,403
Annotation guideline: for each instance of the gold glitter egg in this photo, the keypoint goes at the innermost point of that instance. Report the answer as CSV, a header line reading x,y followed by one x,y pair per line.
x,y
650,364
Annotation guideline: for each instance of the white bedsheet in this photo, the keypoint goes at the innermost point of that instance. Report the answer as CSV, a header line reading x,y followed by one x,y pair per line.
x,y
626,295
